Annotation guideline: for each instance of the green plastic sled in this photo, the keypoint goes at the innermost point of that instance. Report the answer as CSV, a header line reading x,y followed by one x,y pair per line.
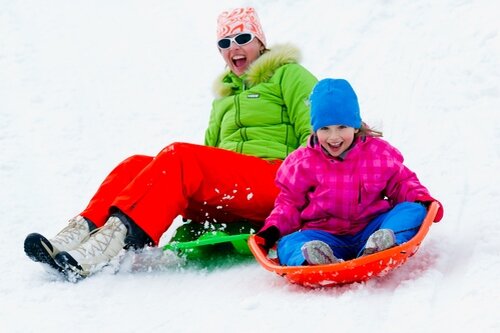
x,y
196,240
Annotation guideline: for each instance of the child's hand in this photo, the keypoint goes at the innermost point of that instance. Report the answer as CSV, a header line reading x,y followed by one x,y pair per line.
x,y
426,201
269,236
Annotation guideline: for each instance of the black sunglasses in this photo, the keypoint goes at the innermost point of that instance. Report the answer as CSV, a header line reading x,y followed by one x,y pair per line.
x,y
240,39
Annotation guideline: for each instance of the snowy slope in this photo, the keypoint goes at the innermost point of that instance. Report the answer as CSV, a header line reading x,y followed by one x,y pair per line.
x,y
85,84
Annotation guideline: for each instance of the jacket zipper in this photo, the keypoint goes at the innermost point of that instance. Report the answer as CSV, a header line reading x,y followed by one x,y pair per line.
x,y
237,122
359,192
237,116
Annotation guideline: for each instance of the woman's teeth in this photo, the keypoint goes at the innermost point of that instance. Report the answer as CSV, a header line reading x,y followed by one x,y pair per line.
x,y
239,60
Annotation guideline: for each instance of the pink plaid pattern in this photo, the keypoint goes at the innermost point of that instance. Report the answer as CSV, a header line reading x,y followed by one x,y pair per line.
x,y
341,197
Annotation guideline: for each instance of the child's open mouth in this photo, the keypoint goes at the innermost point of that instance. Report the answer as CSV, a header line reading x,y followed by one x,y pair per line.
x,y
335,145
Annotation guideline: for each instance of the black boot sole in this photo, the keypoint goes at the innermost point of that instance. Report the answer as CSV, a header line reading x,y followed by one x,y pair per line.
x,y
35,250
69,266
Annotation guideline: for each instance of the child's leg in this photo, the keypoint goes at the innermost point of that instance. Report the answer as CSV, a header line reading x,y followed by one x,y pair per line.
x,y
289,247
404,219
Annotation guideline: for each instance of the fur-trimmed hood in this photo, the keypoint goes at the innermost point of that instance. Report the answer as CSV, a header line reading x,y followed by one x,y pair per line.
x,y
260,71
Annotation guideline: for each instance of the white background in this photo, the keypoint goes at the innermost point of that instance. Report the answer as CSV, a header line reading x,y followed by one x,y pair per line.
x,y
84,84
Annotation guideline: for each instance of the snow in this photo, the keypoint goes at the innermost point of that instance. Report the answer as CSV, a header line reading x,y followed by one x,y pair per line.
x,y
85,84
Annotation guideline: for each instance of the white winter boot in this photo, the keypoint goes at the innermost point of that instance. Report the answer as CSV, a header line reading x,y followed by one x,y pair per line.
x,y
96,252
41,249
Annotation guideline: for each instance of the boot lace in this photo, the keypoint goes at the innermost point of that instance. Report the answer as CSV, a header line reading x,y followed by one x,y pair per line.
x,y
76,230
101,238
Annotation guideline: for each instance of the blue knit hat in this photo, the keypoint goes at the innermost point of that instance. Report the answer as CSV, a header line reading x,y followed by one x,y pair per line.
x,y
334,102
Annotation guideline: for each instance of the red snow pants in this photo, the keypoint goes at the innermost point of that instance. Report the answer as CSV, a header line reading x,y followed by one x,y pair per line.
x,y
198,182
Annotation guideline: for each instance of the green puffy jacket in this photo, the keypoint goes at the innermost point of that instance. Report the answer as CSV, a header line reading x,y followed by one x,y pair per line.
x,y
265,112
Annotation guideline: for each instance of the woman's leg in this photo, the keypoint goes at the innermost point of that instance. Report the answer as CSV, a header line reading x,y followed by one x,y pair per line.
x,y
185,175
97,210
42,249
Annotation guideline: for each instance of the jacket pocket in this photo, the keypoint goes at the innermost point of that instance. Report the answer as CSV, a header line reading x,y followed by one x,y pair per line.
x,y
371,190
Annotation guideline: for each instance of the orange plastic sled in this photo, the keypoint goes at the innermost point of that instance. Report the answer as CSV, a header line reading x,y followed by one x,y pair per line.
x,y
355,270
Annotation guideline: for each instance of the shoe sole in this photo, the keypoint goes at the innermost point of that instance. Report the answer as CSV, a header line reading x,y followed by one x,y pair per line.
x,y
37,249
69,267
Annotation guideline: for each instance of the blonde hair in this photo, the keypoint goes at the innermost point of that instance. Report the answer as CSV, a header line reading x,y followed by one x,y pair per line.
x,y
366,130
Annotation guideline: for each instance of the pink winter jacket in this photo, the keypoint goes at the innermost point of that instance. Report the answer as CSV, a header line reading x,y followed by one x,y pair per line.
x,y
341,196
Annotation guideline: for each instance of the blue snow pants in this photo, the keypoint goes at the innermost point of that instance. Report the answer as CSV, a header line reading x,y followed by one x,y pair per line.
x,y
404,219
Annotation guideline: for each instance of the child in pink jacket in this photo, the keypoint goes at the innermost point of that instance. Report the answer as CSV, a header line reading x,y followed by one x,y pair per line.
x,y
345,195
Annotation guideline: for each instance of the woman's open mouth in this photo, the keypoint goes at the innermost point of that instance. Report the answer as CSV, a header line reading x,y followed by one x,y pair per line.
x,y
239,61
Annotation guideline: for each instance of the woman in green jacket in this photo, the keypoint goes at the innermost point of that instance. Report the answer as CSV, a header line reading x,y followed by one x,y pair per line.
x,y
259,116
